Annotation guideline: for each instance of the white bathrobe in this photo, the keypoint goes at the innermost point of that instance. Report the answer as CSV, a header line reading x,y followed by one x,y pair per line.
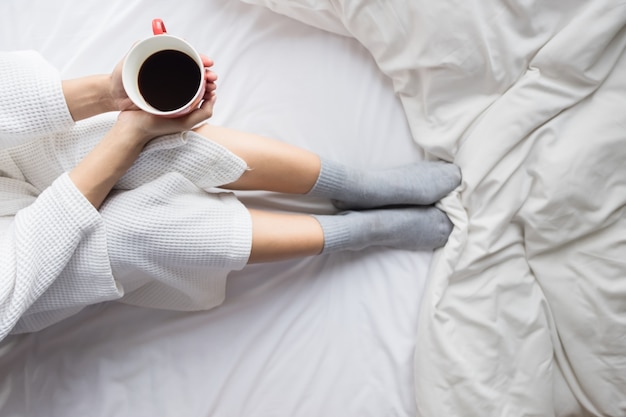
x,y
164,237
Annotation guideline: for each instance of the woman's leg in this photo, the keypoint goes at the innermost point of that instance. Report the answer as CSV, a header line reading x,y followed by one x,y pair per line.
x,y
279,236
274,165
281,167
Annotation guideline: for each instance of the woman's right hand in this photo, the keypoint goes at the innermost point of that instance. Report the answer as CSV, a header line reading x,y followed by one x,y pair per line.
x,y
143,126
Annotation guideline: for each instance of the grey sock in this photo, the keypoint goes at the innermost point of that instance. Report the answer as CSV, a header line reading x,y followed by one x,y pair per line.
x,y
421,183
418,228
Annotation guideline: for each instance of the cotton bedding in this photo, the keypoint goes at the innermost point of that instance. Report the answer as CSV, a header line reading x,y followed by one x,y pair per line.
x,y
333,335
525,311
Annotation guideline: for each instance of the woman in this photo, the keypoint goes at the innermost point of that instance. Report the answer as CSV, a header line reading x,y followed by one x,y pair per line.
x,y
101,201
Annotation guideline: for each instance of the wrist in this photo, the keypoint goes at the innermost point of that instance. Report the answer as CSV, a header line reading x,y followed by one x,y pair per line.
x,y
88,96
96,174
106,93
130,131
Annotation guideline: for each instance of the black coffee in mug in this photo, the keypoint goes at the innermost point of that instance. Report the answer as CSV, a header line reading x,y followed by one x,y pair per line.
x,y
169,79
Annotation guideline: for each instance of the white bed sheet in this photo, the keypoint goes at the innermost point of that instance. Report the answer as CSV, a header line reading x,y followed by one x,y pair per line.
x,y
525,310
331,336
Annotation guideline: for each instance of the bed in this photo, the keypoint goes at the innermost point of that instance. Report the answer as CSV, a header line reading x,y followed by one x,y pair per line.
x,y
525,312
522,313
320,336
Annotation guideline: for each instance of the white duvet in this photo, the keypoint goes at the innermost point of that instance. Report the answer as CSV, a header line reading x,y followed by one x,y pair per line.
x,y
526,310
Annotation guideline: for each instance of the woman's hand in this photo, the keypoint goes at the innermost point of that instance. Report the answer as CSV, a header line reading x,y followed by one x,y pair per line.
x,y
96,94
98,172
121,101
143,126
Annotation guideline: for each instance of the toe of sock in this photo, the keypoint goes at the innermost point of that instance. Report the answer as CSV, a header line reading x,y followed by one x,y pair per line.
x,y
444,228
448,178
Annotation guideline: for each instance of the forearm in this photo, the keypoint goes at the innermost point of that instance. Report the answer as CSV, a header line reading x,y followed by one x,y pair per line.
x,y
98,172
39,244
88,96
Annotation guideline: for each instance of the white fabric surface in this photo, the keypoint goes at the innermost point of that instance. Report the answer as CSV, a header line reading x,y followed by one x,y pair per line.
x,y
49,239
525,311
332,335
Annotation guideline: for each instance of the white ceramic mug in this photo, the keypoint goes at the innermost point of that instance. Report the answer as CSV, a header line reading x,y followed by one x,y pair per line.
x,y
153,74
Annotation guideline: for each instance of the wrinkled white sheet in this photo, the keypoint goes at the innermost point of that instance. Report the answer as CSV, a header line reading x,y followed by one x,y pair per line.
x,y
327,336
526,309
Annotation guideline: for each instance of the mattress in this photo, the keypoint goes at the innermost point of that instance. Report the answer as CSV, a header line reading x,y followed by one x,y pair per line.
x,y
524,310
520,314
331,335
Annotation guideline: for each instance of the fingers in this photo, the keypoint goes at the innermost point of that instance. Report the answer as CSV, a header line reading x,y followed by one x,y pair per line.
x,y
213,98
210,92
209,76
150,126
199,115
211,86
208,62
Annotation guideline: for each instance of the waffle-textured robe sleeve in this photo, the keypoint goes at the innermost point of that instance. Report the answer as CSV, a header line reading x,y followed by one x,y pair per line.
x,y
163,238
51,230
55,233
32,104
